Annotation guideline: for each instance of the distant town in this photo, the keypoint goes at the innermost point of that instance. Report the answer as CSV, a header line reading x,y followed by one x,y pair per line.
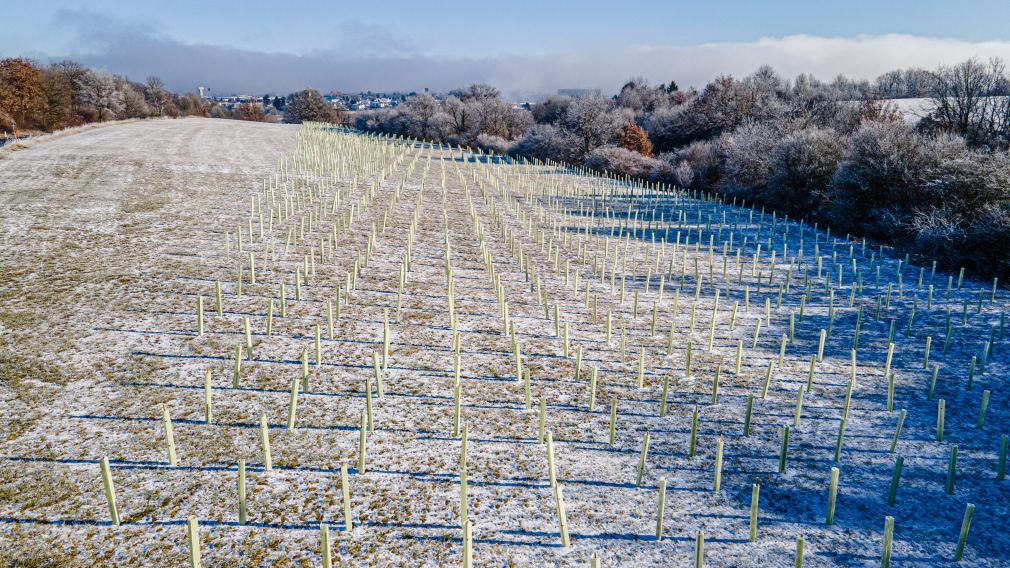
x,y
344,101
367,100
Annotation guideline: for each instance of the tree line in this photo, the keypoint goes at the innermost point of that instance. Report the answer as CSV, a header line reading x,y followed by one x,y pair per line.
x,y
839,153
37,98
42,98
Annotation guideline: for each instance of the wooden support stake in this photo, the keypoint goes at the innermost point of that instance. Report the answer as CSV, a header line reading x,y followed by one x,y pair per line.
x,y
199,315
660,509
699,550
208,400
784,449
718,465
293,404
241,493
379,391
951,470
885,556
562,516
265,442
468,544
940,411
641,460
755,495
613,420
110,491
362,449
324,543
981,412
892,491
193,530
832,496
897,430
969,511
169,436
345,489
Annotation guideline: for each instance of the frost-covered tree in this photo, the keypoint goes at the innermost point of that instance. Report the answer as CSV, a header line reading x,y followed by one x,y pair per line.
x,y
551,110
461,116
477,92
593,121
98,90
418,111
747,155
156,94
309,106
638,95
134,103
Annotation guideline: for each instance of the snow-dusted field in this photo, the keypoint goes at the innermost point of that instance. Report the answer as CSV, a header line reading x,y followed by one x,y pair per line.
x,y
111,235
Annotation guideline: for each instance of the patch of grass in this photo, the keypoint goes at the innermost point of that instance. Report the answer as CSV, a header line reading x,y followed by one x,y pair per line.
x,y
27,550
16,320
32,485
148,204
16,369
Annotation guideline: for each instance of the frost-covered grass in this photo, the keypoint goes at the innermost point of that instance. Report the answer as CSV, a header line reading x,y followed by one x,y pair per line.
x,y
115,232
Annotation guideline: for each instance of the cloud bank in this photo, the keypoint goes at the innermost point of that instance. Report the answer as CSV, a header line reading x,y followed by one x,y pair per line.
x,y
365,61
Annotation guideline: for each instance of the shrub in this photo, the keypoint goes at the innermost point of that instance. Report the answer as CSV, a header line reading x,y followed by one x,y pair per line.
x,y
496,144
624,162
547,142
967,220
747,165
876,180
667,128
803,164
698,165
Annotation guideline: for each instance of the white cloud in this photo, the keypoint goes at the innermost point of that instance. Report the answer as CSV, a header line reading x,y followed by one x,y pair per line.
x,y
824,57
385,62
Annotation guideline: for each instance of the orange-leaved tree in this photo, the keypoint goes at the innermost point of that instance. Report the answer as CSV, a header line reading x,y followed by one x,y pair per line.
x,y
635,139
22,91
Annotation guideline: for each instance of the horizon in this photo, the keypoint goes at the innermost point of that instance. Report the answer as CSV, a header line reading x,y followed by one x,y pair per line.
x,y
526,52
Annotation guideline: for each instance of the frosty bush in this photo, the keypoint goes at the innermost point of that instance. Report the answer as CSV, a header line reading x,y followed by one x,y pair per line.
x,y
747,165
698,165
876,180
496,144
624,162
802,165
547,142
967,221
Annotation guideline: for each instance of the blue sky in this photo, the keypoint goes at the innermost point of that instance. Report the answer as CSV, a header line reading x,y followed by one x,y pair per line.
x,y
525,46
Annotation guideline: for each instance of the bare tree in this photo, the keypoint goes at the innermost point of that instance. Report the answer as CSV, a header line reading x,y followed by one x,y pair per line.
x,y
419,110
970,99
477,91
461,115
157,94
71,72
